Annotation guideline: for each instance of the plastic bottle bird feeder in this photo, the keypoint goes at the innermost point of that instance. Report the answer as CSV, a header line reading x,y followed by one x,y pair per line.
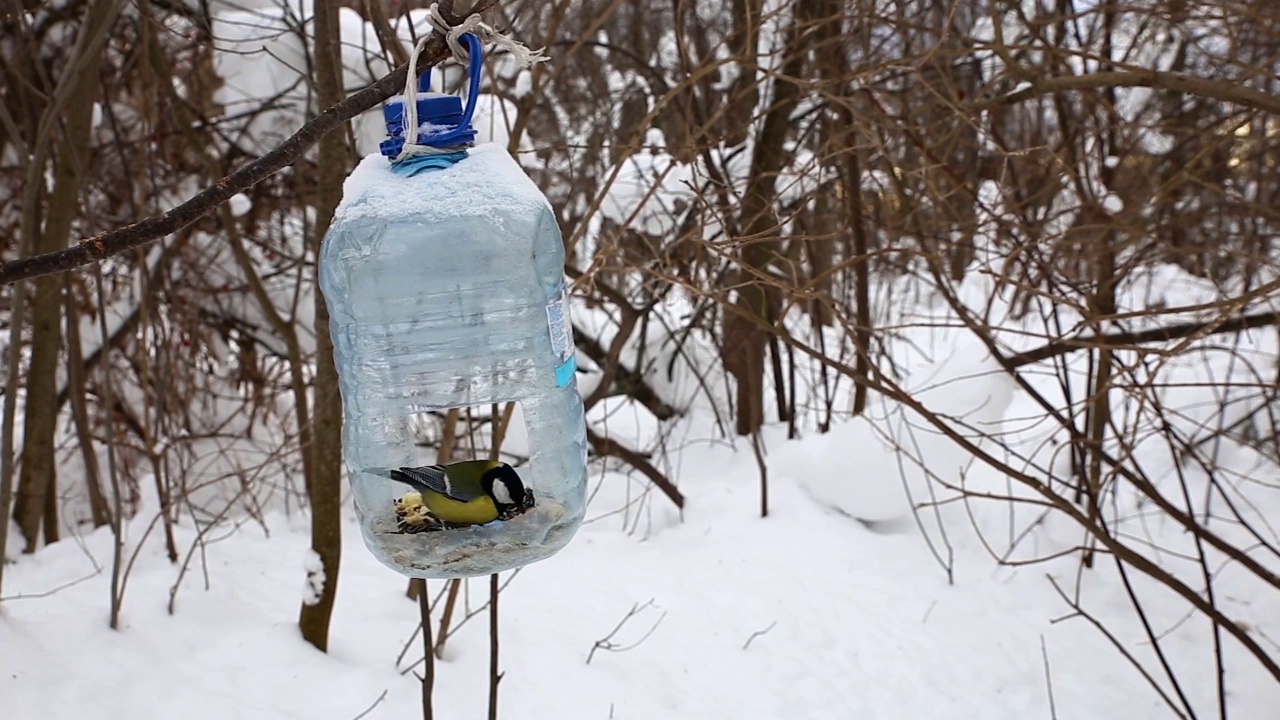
x,y
443,272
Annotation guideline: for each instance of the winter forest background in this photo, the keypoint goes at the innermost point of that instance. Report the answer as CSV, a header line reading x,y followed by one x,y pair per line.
x,y
929,348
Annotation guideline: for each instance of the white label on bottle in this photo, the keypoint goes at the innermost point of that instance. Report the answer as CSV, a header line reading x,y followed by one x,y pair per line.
x,y
562,337
560,326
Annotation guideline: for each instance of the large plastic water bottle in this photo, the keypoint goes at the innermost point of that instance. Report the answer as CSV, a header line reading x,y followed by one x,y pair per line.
x,y
444,278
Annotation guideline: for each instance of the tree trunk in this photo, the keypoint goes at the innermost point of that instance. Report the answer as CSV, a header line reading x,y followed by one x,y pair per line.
x,y
834,68
98,507
324,482
72,109
1102,304
744,92
13,353
35,476
759,302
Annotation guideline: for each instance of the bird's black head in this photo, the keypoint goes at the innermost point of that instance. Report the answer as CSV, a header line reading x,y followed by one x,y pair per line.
x,y
508,491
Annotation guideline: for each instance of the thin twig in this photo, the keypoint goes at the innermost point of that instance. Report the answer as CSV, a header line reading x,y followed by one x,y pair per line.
x,y
1161,656
117,512
469,614
52,591
757,634
606,642
375,704
447,616
429,664
494,675
1117,644
1048,680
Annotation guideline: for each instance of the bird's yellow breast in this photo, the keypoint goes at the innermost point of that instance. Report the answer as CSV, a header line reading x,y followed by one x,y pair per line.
x,y
477,512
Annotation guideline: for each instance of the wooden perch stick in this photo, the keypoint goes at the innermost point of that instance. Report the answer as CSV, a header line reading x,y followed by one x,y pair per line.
x,y
135,235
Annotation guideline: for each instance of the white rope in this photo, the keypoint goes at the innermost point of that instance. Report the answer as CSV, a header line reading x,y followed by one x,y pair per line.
x,y
523,56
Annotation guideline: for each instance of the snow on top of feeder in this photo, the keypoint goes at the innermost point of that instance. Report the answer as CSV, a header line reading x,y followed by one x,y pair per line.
x,y
488,173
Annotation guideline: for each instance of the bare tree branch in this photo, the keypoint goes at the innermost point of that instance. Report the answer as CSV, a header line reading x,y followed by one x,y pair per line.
x,y
613,448
135,235
1178,82
1161,334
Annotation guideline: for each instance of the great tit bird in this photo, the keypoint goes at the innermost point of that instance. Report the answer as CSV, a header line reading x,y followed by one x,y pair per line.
x,y
472,492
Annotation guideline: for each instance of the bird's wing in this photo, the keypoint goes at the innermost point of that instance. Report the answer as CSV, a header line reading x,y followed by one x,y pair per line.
x,y
434,478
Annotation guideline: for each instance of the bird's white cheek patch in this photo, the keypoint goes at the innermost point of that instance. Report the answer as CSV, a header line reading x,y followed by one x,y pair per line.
x,y
501,493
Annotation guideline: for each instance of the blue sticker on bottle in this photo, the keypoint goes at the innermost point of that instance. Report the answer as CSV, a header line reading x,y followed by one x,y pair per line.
x,y
565,372
561,329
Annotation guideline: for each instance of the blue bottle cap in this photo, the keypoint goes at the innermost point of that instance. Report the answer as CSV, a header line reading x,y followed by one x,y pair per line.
x,y
443,122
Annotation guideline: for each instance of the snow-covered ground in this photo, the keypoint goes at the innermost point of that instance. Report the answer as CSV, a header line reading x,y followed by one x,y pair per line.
x,y
808,613
852,623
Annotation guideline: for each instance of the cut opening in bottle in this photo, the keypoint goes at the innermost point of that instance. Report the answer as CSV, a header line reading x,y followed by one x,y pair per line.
x,y
479,483
510,492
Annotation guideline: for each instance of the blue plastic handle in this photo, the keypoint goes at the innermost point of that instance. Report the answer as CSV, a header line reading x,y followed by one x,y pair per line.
x,y
474,70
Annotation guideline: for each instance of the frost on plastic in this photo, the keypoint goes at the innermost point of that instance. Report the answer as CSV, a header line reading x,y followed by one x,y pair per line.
x,y
446,290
